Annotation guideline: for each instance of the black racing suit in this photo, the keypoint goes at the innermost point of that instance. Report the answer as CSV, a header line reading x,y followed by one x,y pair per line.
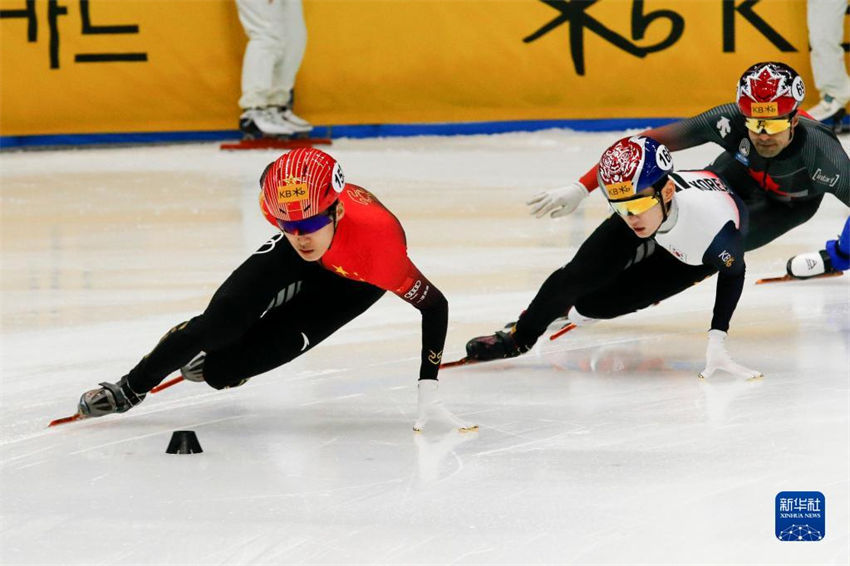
x,y
273,308
781,192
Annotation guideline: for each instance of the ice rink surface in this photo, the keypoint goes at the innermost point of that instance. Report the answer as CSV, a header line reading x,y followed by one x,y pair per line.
x,y
601,447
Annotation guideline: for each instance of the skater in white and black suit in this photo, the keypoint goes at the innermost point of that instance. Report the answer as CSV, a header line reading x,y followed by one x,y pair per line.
x,y
699,226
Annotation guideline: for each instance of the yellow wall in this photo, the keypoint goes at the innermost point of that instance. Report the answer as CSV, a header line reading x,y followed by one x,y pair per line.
x,y
378,61
189,81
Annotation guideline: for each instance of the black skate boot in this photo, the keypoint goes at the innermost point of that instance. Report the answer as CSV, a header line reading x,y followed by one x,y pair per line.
x,y
109,398
502,344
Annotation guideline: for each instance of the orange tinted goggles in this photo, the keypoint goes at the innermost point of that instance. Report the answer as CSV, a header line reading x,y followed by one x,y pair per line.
x,y
635,205
773,126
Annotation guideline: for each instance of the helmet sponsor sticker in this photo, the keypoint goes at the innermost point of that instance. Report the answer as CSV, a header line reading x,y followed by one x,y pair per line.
x,y
620,190
764,109
292,191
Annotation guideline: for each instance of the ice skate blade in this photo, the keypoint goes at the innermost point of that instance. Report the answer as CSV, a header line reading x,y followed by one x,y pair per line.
x,y
64,420
167,384
465,361
758,377
462,429
274,143
562,331
787,277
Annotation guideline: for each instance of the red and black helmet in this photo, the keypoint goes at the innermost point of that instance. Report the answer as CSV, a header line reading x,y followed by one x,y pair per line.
x,y
770,90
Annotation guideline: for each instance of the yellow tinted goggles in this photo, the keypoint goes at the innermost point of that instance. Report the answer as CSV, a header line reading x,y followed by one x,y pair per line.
x,y
634,206
774,126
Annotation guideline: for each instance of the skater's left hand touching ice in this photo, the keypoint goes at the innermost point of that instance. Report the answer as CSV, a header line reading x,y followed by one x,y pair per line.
x,y
431,408
717,358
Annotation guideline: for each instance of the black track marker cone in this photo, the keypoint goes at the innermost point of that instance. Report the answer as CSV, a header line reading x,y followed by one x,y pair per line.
x,y
184,442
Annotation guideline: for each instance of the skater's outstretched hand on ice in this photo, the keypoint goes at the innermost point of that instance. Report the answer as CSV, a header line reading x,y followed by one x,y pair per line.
x,y
431,408
717,358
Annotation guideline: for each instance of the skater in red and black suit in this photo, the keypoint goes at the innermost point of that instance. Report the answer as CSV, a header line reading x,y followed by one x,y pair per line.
x,y
338,251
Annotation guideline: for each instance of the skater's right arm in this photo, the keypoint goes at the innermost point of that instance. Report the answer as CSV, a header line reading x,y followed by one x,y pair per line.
x,y
726,253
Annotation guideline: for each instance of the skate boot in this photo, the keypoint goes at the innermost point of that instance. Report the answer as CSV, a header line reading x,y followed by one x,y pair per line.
x,y
299,124
837,122
831,111
502,344
828,107
257,123
812,264
109,398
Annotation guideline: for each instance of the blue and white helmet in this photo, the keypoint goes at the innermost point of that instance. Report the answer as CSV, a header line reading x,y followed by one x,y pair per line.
x,y
633,164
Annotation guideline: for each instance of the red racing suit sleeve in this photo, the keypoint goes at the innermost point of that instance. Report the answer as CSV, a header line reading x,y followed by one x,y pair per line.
x,y
397,273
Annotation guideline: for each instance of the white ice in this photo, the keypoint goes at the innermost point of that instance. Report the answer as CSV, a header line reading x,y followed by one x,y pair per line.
x,y
601,447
